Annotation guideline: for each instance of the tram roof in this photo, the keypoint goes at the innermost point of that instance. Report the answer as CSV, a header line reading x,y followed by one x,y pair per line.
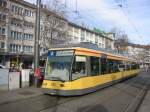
x,y
88,46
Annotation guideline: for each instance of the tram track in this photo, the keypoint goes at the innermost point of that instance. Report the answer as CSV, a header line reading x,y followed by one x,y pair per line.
x,y
34,104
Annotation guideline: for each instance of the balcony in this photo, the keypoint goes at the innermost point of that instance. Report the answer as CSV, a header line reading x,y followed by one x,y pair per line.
x,y
22,17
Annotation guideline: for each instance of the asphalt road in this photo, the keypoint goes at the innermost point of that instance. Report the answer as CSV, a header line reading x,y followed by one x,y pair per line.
x,y
120,97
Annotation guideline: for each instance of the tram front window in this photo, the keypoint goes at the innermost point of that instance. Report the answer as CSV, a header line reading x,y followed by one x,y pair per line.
x,y
58,68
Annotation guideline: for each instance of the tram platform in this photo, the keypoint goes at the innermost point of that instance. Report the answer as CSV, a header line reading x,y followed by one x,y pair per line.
x,y
19,94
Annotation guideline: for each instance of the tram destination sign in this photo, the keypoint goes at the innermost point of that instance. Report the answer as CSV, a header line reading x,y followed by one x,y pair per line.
x,y
60,53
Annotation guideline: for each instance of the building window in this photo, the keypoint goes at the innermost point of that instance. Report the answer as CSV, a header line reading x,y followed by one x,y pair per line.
x,y
28,13
16,9
16,35
2,31
76,30
82,35
12,34
28,49
3,3
13,8
2,45
21,11
96,40
15,48
2,17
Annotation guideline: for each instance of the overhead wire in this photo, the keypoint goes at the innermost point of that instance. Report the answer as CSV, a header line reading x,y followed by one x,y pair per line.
x,y
82,16
129,20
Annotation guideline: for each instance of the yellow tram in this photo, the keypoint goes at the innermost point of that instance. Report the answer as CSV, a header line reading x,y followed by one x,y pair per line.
x,y
79,69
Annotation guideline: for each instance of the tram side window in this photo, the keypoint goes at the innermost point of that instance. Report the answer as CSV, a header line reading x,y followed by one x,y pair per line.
x,y
103,65
110,66
128,67
94,65
79,67
121,67
134,66
114,66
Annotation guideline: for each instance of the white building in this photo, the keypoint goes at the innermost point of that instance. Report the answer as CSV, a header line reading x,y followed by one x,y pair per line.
x,y
78,34
140,53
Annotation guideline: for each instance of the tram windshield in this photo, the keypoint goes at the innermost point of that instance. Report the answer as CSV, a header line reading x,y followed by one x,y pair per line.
x,y
59,65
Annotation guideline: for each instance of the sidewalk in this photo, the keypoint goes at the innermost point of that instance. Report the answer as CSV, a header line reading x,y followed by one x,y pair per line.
x,y
19,94
145,106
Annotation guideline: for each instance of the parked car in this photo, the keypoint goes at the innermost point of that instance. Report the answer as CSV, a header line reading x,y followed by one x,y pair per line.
x,y
2,67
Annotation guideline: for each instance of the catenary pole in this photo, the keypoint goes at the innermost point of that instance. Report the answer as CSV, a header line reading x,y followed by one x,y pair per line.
x,y
37,35
36,42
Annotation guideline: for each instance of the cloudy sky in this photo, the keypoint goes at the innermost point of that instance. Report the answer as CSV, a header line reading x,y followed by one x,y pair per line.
x,y
133,17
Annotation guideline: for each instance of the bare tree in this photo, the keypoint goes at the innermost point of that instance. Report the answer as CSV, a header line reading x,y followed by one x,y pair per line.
x,y
53,24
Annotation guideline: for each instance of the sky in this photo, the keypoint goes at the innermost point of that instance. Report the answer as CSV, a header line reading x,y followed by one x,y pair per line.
x,y
129,16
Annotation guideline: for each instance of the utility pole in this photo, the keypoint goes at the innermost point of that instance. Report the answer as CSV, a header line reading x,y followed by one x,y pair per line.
x,y
36,42
37,35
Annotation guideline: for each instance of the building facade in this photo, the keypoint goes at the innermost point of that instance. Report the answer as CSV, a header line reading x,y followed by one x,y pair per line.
x,y
4,11
140,53
78,34
17,32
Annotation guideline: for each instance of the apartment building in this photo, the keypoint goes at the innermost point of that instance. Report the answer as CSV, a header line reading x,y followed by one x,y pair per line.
x,y
4,11
78,34
140,53
18,32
